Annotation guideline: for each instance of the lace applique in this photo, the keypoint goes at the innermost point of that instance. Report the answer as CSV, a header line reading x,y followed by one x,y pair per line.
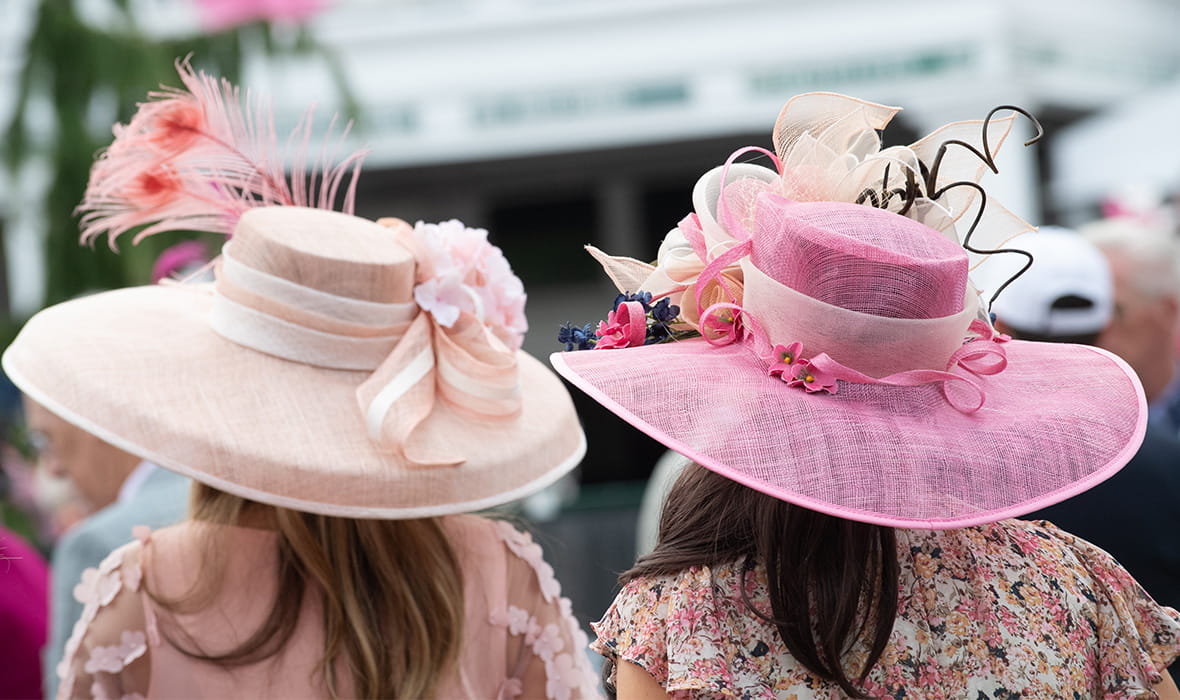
x,y
520,622
563,675
521,544
96,590
548,643
564,671
114,659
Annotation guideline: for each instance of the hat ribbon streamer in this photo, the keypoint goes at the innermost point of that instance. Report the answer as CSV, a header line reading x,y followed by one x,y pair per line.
x,y
463,366
724,323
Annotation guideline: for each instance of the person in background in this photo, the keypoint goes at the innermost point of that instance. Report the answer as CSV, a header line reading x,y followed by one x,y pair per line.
x,y
1146,314
1067,296
121,491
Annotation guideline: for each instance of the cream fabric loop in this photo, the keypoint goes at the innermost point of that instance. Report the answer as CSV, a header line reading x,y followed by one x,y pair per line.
x,y
467,384
431,369
291,294
417,369
274,336
873,345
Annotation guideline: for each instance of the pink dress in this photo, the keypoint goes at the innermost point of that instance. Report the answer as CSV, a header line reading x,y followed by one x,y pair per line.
x,y
24,616
1008,610
520,639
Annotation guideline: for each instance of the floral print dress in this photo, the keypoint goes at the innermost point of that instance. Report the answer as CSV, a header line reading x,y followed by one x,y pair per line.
x,y
1007,610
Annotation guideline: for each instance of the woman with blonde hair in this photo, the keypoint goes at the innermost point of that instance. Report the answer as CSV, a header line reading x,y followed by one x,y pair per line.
x,y
861,439
341,393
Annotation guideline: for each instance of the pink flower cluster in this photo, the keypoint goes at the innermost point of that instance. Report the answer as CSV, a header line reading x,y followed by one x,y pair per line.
x,y
790,367
624,327
466,273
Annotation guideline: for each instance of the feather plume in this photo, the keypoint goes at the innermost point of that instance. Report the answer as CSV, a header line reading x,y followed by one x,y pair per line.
x,y
197,158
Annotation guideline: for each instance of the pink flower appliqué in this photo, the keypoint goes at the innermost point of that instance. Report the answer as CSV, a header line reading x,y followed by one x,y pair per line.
x,y
518,620
812,378
469,274
97,588
114,659
721,323
562,677
521,544
549,643
786,359
624,327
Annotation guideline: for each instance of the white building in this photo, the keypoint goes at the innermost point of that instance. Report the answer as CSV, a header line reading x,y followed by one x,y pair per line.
x,y
560,122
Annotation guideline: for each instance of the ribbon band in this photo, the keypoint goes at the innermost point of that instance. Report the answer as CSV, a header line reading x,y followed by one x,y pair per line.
x,y
412,360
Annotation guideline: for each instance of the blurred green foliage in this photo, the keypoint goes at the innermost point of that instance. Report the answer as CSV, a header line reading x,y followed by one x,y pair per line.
x,y
85,72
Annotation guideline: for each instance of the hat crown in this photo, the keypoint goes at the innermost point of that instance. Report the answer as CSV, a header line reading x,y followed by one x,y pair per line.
x,y
327,251
860,258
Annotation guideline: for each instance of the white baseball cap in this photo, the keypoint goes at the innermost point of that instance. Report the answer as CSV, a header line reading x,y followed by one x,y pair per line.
x,y
1064,265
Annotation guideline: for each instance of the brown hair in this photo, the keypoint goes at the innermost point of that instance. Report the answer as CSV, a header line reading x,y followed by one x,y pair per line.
x,y
832,582
391,591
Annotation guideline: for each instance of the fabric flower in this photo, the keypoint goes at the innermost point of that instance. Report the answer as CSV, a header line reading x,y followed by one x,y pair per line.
x,y
518,620
665,311
624,327
839,157
726,288
113,659
549,643
562,677
812,378
785,359
97,587
722,326
522,545
575,338
644,299
462,272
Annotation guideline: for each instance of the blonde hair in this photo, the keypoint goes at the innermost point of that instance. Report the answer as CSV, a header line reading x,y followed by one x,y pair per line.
x,y
391,590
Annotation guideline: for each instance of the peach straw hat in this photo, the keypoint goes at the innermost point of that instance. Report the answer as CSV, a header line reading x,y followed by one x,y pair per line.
x,y
336,365
811,332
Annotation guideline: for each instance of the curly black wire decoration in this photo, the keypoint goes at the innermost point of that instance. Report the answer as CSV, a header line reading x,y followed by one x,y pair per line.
x,y
928,188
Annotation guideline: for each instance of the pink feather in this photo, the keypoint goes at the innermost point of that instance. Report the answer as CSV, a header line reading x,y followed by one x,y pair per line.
x,y
197,158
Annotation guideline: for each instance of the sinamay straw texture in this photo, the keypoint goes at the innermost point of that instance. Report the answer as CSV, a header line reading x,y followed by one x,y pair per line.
x,y
898,456
881,294
143,369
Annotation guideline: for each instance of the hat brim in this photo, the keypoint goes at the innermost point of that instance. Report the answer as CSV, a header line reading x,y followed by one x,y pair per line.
x,y
1057,421
141,369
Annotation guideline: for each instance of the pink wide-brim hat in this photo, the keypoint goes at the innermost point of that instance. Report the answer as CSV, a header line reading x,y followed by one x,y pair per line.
x,y
912,412
306,377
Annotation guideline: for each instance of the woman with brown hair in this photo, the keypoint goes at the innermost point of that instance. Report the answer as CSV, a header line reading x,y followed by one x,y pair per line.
x,y
342,393
862,438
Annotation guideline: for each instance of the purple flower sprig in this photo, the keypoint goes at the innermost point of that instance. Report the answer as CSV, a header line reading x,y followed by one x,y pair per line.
x,y
575,338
